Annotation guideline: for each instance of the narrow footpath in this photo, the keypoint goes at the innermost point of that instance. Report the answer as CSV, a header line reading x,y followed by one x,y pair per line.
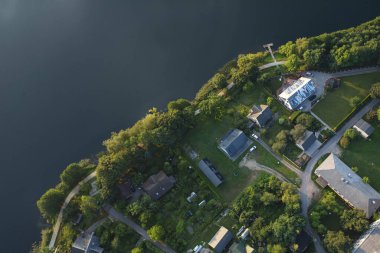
x,y
127,221
69,197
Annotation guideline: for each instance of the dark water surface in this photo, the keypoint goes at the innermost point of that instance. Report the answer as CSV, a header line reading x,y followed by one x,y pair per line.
x,y
72,71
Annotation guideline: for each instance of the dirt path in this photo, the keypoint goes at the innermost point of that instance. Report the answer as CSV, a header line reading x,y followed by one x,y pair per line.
x,y
251,164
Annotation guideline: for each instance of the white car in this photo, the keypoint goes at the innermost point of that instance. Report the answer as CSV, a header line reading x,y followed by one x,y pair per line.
x,y
255,136
252,149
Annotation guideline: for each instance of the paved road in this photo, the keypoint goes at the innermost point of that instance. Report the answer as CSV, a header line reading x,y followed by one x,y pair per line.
x,y
73,192
357,71
272,64
253,165
120,217
308,188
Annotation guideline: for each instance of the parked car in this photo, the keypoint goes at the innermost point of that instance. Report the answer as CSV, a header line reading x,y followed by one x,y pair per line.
x,y
309,74
252,149
255,136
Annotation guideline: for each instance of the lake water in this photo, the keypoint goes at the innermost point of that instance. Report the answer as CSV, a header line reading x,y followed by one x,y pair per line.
x,y
71,72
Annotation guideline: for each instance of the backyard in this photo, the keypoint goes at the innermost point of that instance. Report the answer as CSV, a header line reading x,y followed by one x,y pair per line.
x,y
364,155
204,140
339,99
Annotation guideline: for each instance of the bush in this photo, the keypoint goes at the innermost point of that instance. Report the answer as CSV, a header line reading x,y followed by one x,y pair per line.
x,y
355,101
344,142
350,133
375,90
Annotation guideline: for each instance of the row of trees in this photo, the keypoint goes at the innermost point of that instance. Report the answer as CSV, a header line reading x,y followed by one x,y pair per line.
x,y
257,208
51,201
353,47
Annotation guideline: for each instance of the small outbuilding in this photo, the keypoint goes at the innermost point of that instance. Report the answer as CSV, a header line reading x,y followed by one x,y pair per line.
x,y
234,143
86,243
210,172
364,128
261,115
221,240
158,185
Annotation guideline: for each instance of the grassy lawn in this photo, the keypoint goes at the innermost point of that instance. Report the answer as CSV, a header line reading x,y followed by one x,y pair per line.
x,y
339,99
265,158
364,155
204,140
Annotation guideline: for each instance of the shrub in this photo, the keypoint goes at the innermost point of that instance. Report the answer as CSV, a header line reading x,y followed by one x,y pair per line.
x,y
375,90
355,101
344,142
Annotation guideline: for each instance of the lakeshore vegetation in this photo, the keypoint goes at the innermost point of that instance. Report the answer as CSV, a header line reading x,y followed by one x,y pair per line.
x,y
156,142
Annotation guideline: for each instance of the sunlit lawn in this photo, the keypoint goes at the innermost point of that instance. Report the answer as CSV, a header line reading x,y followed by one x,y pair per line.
x,y
364,154
336,105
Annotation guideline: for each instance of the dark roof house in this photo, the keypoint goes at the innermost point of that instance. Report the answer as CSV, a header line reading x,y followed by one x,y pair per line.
x,y
260,115
126,188
210,172
306,141
220,240
158,185
86,243
303,241
364,128
348,185
234,143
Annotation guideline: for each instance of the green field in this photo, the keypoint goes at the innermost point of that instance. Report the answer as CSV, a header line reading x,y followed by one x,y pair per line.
x,y
204,140
364,154
336,105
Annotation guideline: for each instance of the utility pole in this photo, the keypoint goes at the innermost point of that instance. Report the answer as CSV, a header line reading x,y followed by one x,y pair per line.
x,y
269,48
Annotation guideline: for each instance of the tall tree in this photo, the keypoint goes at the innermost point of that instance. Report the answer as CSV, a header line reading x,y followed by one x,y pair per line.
x,y
50,203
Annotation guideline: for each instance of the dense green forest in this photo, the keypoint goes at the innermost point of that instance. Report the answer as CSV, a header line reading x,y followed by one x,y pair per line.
x,y
156,136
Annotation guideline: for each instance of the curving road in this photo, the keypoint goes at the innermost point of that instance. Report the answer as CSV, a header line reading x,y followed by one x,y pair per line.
x,y
255,166
73,192
308,188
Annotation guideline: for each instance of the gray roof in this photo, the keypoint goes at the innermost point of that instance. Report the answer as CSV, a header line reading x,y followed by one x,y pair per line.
x,y
261,114
364,126
220,240
298,92
307,140
86,243
158,185
369,242
348,185
210,172
233,142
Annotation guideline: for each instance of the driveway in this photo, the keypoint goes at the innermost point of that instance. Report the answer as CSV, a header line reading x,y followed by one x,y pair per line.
x,y
127,221
251,164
